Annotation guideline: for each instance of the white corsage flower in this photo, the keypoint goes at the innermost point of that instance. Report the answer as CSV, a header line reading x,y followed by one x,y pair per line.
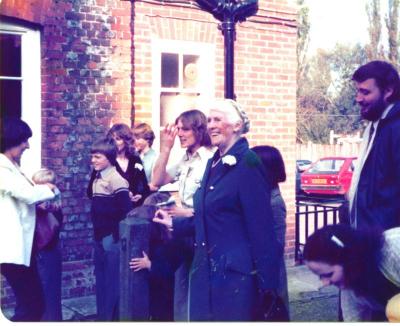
x,y
139,166
229,160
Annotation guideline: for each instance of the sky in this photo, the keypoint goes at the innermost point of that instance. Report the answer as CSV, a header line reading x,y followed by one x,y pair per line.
x,y
337,21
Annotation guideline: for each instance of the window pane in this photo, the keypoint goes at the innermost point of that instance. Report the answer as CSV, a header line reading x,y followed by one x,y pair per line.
x,y
190,71
173,104
10,58
327,166
10,98
169,70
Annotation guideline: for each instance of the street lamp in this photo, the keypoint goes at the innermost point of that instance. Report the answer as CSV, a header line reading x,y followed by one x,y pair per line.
x,y
229,12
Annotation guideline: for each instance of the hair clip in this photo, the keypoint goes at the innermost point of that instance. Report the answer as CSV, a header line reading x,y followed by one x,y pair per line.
x,y
337,241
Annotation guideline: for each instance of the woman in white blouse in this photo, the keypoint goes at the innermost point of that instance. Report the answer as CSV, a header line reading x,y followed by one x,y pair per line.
x,y
191,129
18,196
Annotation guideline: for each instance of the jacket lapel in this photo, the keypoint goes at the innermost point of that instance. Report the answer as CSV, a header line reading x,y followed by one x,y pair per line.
x,y
237,151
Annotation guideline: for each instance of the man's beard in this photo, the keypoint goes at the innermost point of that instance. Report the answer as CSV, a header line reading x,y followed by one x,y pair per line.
x,y
375,111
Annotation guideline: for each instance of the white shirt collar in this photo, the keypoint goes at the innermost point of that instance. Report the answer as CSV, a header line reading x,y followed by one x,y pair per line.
x,y
205,153
104,173
387,110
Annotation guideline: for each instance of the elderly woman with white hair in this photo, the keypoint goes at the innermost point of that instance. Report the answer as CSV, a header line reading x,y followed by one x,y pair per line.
x,y
235,261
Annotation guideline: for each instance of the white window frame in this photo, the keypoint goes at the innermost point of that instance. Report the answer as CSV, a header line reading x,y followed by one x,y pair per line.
x,y
30,91
206,88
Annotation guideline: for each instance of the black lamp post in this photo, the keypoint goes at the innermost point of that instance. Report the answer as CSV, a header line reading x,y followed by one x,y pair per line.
x,y
229,12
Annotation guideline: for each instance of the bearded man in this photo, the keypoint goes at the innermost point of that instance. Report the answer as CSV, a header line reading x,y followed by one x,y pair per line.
x,y
374,197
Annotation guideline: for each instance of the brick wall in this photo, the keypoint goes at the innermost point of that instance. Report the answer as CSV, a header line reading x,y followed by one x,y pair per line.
x,y
265,72
87,84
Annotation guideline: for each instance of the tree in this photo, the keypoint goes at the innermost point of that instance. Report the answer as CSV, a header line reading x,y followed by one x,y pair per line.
x,y
344,116
325,93
392,25
374,49
326,96
303,39
314,100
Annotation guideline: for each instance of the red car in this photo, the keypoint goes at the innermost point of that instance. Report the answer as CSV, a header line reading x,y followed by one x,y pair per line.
x,y
328,176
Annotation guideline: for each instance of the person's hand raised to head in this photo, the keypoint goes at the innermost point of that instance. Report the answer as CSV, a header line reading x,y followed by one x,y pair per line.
x,y
167,137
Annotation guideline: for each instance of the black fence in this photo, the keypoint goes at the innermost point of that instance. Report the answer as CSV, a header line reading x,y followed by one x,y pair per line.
x,y
313,213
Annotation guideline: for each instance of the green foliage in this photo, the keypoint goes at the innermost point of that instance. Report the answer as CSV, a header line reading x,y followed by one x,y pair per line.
x,y
378,48
392,25
303,38
326,94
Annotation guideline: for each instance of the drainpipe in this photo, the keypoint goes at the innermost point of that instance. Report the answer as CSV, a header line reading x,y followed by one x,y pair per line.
x,y
228,30
229,12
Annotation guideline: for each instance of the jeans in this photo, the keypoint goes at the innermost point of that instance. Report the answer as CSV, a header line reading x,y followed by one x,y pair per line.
x,y
106,270
181,294
49,268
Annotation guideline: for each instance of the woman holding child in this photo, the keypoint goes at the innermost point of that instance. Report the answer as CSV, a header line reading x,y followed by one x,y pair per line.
x,y
18,198
234,269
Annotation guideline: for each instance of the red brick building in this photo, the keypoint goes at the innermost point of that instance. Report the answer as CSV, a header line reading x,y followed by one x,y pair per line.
x,y
77,66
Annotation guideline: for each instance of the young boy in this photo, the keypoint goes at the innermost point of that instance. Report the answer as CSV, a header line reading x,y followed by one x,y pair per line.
x,y
110,204
48,255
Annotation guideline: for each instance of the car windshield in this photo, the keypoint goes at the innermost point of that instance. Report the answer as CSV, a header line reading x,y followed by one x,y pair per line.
x,y
327,166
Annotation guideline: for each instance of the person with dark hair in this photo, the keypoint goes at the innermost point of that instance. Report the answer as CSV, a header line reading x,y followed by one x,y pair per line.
x,y
234,272
191,129
375,189
110,204
364,264
128,163
144,138
18,199
275,173
161,261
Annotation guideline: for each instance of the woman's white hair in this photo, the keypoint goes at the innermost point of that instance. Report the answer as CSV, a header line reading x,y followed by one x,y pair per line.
x,y
233,112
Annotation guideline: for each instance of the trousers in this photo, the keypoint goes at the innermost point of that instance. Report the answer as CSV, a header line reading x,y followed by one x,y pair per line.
x,y
106,270
49,269
27,289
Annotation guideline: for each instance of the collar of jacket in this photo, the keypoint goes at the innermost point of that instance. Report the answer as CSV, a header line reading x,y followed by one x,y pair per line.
x,y
394,112
5,162
237,150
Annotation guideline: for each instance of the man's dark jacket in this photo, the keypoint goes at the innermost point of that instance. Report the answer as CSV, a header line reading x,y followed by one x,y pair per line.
x,y
377,200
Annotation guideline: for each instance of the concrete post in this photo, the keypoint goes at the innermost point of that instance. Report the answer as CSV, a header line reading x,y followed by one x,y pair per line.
x,y
134,286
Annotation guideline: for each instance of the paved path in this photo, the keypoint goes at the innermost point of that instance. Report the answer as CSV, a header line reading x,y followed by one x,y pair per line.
x,y
307,301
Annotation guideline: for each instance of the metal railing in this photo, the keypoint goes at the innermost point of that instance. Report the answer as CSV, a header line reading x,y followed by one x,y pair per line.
x,y
315,213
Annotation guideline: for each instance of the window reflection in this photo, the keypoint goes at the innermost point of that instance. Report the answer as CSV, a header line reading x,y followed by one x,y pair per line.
x,y
10,59
169,70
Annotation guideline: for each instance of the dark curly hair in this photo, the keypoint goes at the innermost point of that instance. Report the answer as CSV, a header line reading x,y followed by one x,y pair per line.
x,y
385,76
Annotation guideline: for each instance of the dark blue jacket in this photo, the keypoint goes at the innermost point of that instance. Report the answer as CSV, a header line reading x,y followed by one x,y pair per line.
x,y
236,252
377,201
